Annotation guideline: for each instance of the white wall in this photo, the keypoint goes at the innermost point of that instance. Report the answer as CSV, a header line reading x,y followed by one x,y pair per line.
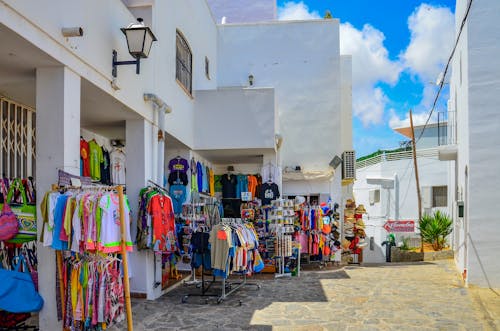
x,y
478,136
346,101
301,61
235,118
243,11
89,56
432,172
194,20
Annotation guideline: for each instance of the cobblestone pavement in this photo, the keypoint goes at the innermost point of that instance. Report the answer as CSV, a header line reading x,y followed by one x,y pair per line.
x,y
419,296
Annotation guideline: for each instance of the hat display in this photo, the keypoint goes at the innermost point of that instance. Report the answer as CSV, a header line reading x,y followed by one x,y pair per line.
x,y
350,220
348,212
350,203
345,244
360,224
360,210
361,232
335,223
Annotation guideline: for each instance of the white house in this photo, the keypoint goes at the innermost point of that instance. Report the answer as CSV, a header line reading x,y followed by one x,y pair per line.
x,y
474,135
385,185
242,94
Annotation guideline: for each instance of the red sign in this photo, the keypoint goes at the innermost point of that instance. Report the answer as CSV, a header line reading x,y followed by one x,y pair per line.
x,y
400,226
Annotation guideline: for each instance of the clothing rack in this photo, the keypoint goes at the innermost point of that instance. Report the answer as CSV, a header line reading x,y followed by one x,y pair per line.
x,y
229,285
126,283
159,187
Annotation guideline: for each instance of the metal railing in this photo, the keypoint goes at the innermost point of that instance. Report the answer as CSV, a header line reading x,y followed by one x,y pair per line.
x,y
396,156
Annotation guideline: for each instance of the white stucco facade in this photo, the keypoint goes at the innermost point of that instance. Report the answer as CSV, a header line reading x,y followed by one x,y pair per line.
x,y
301,93
402,201
474,98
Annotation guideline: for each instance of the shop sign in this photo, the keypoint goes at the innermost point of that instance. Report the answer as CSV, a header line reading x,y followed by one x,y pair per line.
x,y
400,226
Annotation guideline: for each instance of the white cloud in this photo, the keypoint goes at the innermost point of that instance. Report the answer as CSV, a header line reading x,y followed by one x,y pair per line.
x,y
432,36
418,119
370,65
296,11
368,104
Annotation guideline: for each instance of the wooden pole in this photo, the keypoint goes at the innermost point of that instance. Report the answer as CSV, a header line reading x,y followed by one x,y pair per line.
x,y
419,197
126,283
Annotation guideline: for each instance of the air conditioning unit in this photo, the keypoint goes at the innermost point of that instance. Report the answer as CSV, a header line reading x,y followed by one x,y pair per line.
x,y
349,165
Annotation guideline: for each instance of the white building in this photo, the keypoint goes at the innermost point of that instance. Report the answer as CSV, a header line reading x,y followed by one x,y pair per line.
x,y
474,133
397,198
249,94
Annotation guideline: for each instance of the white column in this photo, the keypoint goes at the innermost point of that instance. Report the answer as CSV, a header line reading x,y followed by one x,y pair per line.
x,y
58,147
139,166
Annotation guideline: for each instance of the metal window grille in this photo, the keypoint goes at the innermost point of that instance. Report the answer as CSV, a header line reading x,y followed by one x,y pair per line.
x,y
18,139
439,196
349,165
184,62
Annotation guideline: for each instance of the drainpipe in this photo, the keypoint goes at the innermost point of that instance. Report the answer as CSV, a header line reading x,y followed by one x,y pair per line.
x,y
162,109
396,197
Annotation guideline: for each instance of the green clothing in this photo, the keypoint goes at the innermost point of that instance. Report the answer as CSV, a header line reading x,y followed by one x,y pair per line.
x,y
96,158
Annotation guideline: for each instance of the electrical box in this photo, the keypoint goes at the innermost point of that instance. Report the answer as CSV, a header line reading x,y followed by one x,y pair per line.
x,y
460,207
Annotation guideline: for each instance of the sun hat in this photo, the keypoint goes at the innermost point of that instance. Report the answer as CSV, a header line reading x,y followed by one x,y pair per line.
x,y
345,244
335,223
349,212
360,223
360,209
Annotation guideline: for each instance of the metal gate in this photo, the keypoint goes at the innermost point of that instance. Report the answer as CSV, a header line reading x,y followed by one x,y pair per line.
x,y
17,144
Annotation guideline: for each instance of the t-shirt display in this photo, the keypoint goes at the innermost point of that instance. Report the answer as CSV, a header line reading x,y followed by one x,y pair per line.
x,y
178,164
228,182
85,157
96,158
269,192
178,196
117,166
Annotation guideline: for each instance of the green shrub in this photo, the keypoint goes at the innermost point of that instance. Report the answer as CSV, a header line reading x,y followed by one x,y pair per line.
x,y
435,228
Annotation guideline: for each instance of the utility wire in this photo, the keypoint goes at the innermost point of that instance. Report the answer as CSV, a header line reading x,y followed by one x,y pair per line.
x,y
441,84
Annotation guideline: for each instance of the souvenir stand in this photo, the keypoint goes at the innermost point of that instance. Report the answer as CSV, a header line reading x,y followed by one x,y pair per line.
x,y
89,228
18,243
283,216
354,242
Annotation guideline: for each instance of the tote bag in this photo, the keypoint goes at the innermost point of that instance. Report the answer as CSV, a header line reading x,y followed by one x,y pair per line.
x,y
26,213
17,291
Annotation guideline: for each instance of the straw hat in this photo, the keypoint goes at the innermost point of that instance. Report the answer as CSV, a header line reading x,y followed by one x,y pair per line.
x,y
360,224
345,244
348,226
361,232
299,200
350,220
336,223
360,209
349,212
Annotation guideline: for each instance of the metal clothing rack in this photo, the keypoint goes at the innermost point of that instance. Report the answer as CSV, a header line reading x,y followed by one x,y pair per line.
x,y
229,285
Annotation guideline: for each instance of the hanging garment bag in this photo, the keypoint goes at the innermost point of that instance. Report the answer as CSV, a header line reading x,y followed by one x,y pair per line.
x,y
17,291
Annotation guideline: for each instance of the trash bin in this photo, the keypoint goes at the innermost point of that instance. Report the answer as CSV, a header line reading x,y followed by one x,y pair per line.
x,y
391,241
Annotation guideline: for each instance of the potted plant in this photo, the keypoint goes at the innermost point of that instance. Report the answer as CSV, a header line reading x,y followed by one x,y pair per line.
x,y
435,228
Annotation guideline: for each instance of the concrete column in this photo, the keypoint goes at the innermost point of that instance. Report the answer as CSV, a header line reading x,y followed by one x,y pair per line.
x,y
140,167
58,147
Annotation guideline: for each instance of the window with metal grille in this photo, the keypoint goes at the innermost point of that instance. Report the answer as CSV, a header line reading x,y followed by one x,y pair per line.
x,y
17,139
439,196
184,63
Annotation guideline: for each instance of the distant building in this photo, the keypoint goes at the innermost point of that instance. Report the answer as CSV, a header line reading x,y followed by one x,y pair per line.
x,y
396,168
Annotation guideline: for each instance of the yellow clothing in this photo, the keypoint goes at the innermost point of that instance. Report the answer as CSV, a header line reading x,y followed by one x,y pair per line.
x,y
211,182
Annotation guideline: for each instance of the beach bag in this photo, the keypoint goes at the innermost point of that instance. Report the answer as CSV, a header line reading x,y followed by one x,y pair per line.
x,y
17,291
26,213
9,226
258,263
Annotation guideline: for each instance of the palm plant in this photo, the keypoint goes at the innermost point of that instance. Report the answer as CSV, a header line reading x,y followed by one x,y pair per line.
x,y
435,228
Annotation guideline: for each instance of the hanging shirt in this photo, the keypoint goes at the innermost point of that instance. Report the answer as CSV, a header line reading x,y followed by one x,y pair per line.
x,y
85,157
96,157
178,196
106,168
117,167
270,172
110,230
252,185
228,186
211,182
199,176
57,243
269,192
178,164
163,218
205,179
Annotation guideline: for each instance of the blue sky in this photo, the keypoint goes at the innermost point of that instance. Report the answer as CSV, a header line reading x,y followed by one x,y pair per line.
x,y
399,47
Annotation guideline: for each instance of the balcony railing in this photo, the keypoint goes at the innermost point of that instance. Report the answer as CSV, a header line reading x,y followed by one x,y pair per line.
x,y
396,156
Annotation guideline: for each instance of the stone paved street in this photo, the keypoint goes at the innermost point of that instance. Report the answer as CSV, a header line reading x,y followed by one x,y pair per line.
x,y
421,296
